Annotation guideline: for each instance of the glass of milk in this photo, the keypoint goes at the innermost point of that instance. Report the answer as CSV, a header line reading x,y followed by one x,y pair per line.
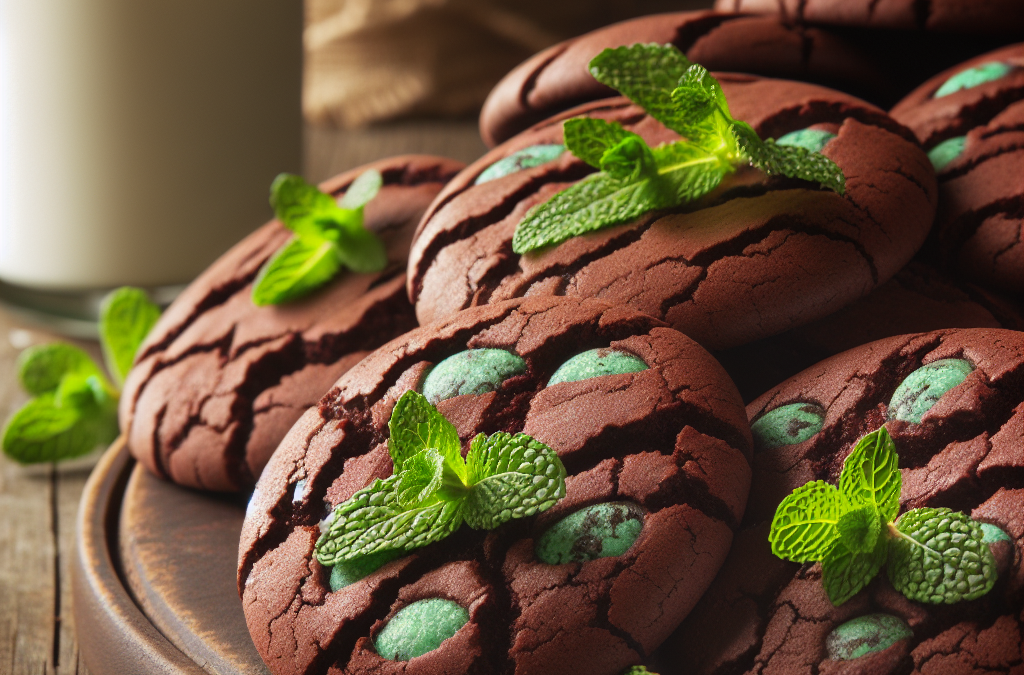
x,y
138,139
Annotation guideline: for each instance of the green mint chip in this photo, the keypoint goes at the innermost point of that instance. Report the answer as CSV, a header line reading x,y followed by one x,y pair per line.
x,y
420,628
923,388
845,572
939,556
943,154
527,158
296,270
510,477
44,431
868,634
126,317
814,140
805,525
41,367
973,77
871,475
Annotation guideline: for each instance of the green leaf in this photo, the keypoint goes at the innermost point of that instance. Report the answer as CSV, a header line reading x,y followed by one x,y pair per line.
x,y
589,138
43,431
373,521
361,250
793,161
41,367
420,478
629,160
302,207
871,474
844,572
645,74
415,426
689,170
702,112
939,556
126,317
596,202
510,477
805,524
859,529
364,188
297,269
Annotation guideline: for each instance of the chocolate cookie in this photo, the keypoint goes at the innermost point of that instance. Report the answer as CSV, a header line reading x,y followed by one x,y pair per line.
x,y
970,118
953,402
992,17
219,381
918,299
557,78
653,437
754,258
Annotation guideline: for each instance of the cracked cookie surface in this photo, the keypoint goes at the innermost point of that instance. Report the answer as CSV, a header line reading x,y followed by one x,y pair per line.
x,y
767,615
557,78
756,257
667,445
973,127
219,381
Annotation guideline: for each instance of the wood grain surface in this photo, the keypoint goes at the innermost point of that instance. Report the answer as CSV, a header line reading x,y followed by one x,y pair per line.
x,y
38,505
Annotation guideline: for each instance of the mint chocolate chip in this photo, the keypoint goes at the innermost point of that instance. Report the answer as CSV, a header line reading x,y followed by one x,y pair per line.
x,y
420,628
350,571
474,371
866,635
787,425
924,387
993,533
598,531
943,154
809,139
973,77
595,363
535,155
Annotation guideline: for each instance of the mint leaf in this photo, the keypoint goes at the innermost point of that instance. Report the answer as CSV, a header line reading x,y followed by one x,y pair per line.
x,y
372,520
429,476
844,572
703,115
360,250
805,524
646,75
41,367
871,474
297,269
594,203
689,170
794,162
416,425
859,529
939,556
629,160
364,188
126,317
589,138
43,431
304,209
510,477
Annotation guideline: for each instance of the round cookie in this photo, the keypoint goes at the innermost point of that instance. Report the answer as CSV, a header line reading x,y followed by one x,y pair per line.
x,y
657,478
219,381
918,299
992,17
970,119
953,402
557,78
754,258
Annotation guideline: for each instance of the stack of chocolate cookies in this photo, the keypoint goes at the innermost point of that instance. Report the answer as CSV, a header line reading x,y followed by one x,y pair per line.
x,y
629,352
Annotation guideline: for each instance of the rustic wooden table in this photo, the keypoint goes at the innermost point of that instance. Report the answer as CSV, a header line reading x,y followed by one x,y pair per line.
x,y
38,504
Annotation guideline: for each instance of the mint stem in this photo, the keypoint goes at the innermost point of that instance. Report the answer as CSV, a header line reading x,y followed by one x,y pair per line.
x,y
893,531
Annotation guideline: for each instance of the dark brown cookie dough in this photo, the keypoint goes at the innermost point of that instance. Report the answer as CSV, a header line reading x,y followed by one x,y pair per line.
x,y
670,442
219,381
557,78
971,120
991,17
767,615
754,258
918,299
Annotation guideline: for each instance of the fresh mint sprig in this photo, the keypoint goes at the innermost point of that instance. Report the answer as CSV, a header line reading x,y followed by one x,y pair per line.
x,y
932,555
634,178
328,236
433,490
74,408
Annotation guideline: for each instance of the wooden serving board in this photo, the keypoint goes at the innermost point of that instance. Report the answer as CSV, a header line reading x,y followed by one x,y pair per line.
x,y
153,576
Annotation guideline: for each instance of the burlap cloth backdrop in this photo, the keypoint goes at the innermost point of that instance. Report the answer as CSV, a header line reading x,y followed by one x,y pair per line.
x,y
369,60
